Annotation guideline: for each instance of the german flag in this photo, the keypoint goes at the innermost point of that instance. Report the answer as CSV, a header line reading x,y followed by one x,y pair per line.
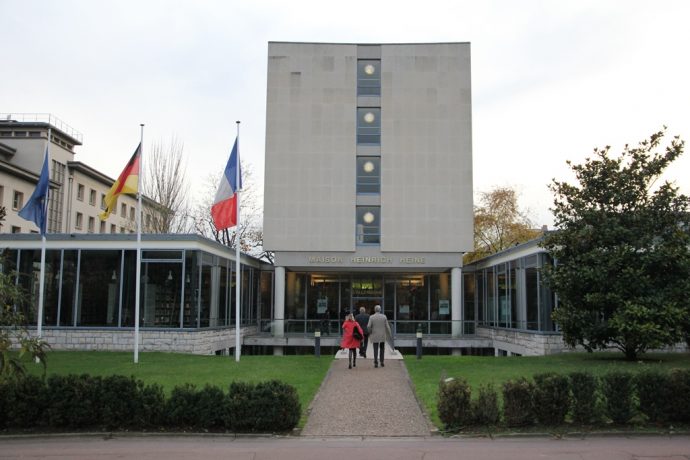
x,y
127,183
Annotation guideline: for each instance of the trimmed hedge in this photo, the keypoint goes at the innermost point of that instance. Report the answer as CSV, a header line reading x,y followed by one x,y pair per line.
x,y
517,402
618,389
454,407
583,388
551,399
485,410
118,402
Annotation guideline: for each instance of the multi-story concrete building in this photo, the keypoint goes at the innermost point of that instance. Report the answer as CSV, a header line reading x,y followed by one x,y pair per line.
x,y
368,187
77,191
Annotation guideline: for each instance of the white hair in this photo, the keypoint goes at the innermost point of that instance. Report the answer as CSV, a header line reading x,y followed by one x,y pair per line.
x,y
377,308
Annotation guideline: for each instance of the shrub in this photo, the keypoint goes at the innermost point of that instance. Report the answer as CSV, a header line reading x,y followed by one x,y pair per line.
x,y
182,408
121,403
73,401
277,406
583,386
454,408
517,402
653,394
211,408
551,398
239,413
679,401
618,391
265,407
485,409
152,405
26,402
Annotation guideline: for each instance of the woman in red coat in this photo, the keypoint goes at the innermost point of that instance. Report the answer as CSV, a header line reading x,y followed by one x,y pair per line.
x,y
349,341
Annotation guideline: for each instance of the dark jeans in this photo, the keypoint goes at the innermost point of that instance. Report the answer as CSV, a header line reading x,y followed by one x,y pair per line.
x,y
379,348
363,345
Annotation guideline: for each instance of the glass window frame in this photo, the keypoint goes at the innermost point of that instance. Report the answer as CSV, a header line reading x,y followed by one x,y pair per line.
x,y
367,233
368,132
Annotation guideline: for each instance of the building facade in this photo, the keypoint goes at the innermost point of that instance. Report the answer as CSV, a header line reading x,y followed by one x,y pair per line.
x,y
187,301
77,191
368,187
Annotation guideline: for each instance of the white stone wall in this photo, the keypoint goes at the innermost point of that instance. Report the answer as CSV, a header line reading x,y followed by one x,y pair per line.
x,y
539,344
202,342
524,343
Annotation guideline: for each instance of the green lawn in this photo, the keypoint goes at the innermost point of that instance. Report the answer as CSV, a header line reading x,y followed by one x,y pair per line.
x,y
305,373
426,372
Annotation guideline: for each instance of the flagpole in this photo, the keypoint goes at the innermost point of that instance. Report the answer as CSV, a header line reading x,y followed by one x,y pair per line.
x,y
138,276
238,284
42,276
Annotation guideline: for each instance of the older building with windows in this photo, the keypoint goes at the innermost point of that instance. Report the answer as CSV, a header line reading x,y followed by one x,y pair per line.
x,y
77,191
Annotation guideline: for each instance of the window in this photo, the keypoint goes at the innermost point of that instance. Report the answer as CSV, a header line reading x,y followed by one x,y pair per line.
x,y
369,126
17,201
113,228
368,77
16,229
102,229
92,224
368,175
79,221
92,197
2,195
368,225
80,192
103,201
131,214
122,230
123,210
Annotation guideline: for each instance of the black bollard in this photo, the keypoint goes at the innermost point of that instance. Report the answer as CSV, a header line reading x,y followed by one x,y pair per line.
x,y
419,341
317,343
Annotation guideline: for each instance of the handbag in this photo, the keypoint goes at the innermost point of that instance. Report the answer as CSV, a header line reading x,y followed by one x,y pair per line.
x,y
356,334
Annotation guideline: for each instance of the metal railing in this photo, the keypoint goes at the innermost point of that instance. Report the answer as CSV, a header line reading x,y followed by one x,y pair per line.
x,y
43,118
332,328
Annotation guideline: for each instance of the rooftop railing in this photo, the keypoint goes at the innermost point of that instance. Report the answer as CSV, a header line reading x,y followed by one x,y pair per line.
x,y
43,118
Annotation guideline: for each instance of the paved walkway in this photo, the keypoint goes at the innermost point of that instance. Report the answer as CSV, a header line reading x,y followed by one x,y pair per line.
x,y
366,401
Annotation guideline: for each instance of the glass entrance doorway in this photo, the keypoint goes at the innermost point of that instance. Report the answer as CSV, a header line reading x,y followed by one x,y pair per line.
x,y
367,302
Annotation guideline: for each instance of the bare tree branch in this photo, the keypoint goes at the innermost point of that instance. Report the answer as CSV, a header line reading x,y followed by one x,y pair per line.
x,y
166,184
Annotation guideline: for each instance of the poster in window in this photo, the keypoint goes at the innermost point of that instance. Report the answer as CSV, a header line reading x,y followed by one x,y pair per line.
x,y
443,307
404,309
321,305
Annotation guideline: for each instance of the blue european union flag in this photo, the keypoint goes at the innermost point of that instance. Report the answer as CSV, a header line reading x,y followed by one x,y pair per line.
x,y
36,209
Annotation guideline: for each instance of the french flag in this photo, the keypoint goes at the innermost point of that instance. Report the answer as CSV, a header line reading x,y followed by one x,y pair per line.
x,y
224,210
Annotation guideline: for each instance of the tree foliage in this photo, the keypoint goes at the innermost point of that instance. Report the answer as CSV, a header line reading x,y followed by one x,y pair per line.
x,y
14,333
499,223
166,185
622,271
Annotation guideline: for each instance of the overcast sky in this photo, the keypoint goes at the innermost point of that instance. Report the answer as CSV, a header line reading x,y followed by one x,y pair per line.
x,y
551,80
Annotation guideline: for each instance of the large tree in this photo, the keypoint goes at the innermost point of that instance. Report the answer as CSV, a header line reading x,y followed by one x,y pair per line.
x,y
621,250
166,184
499,223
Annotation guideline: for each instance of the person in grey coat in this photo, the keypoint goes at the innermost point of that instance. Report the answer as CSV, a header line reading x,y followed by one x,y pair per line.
x,y
379,332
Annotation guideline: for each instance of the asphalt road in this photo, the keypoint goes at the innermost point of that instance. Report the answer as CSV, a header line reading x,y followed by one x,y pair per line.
x,y
308,448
